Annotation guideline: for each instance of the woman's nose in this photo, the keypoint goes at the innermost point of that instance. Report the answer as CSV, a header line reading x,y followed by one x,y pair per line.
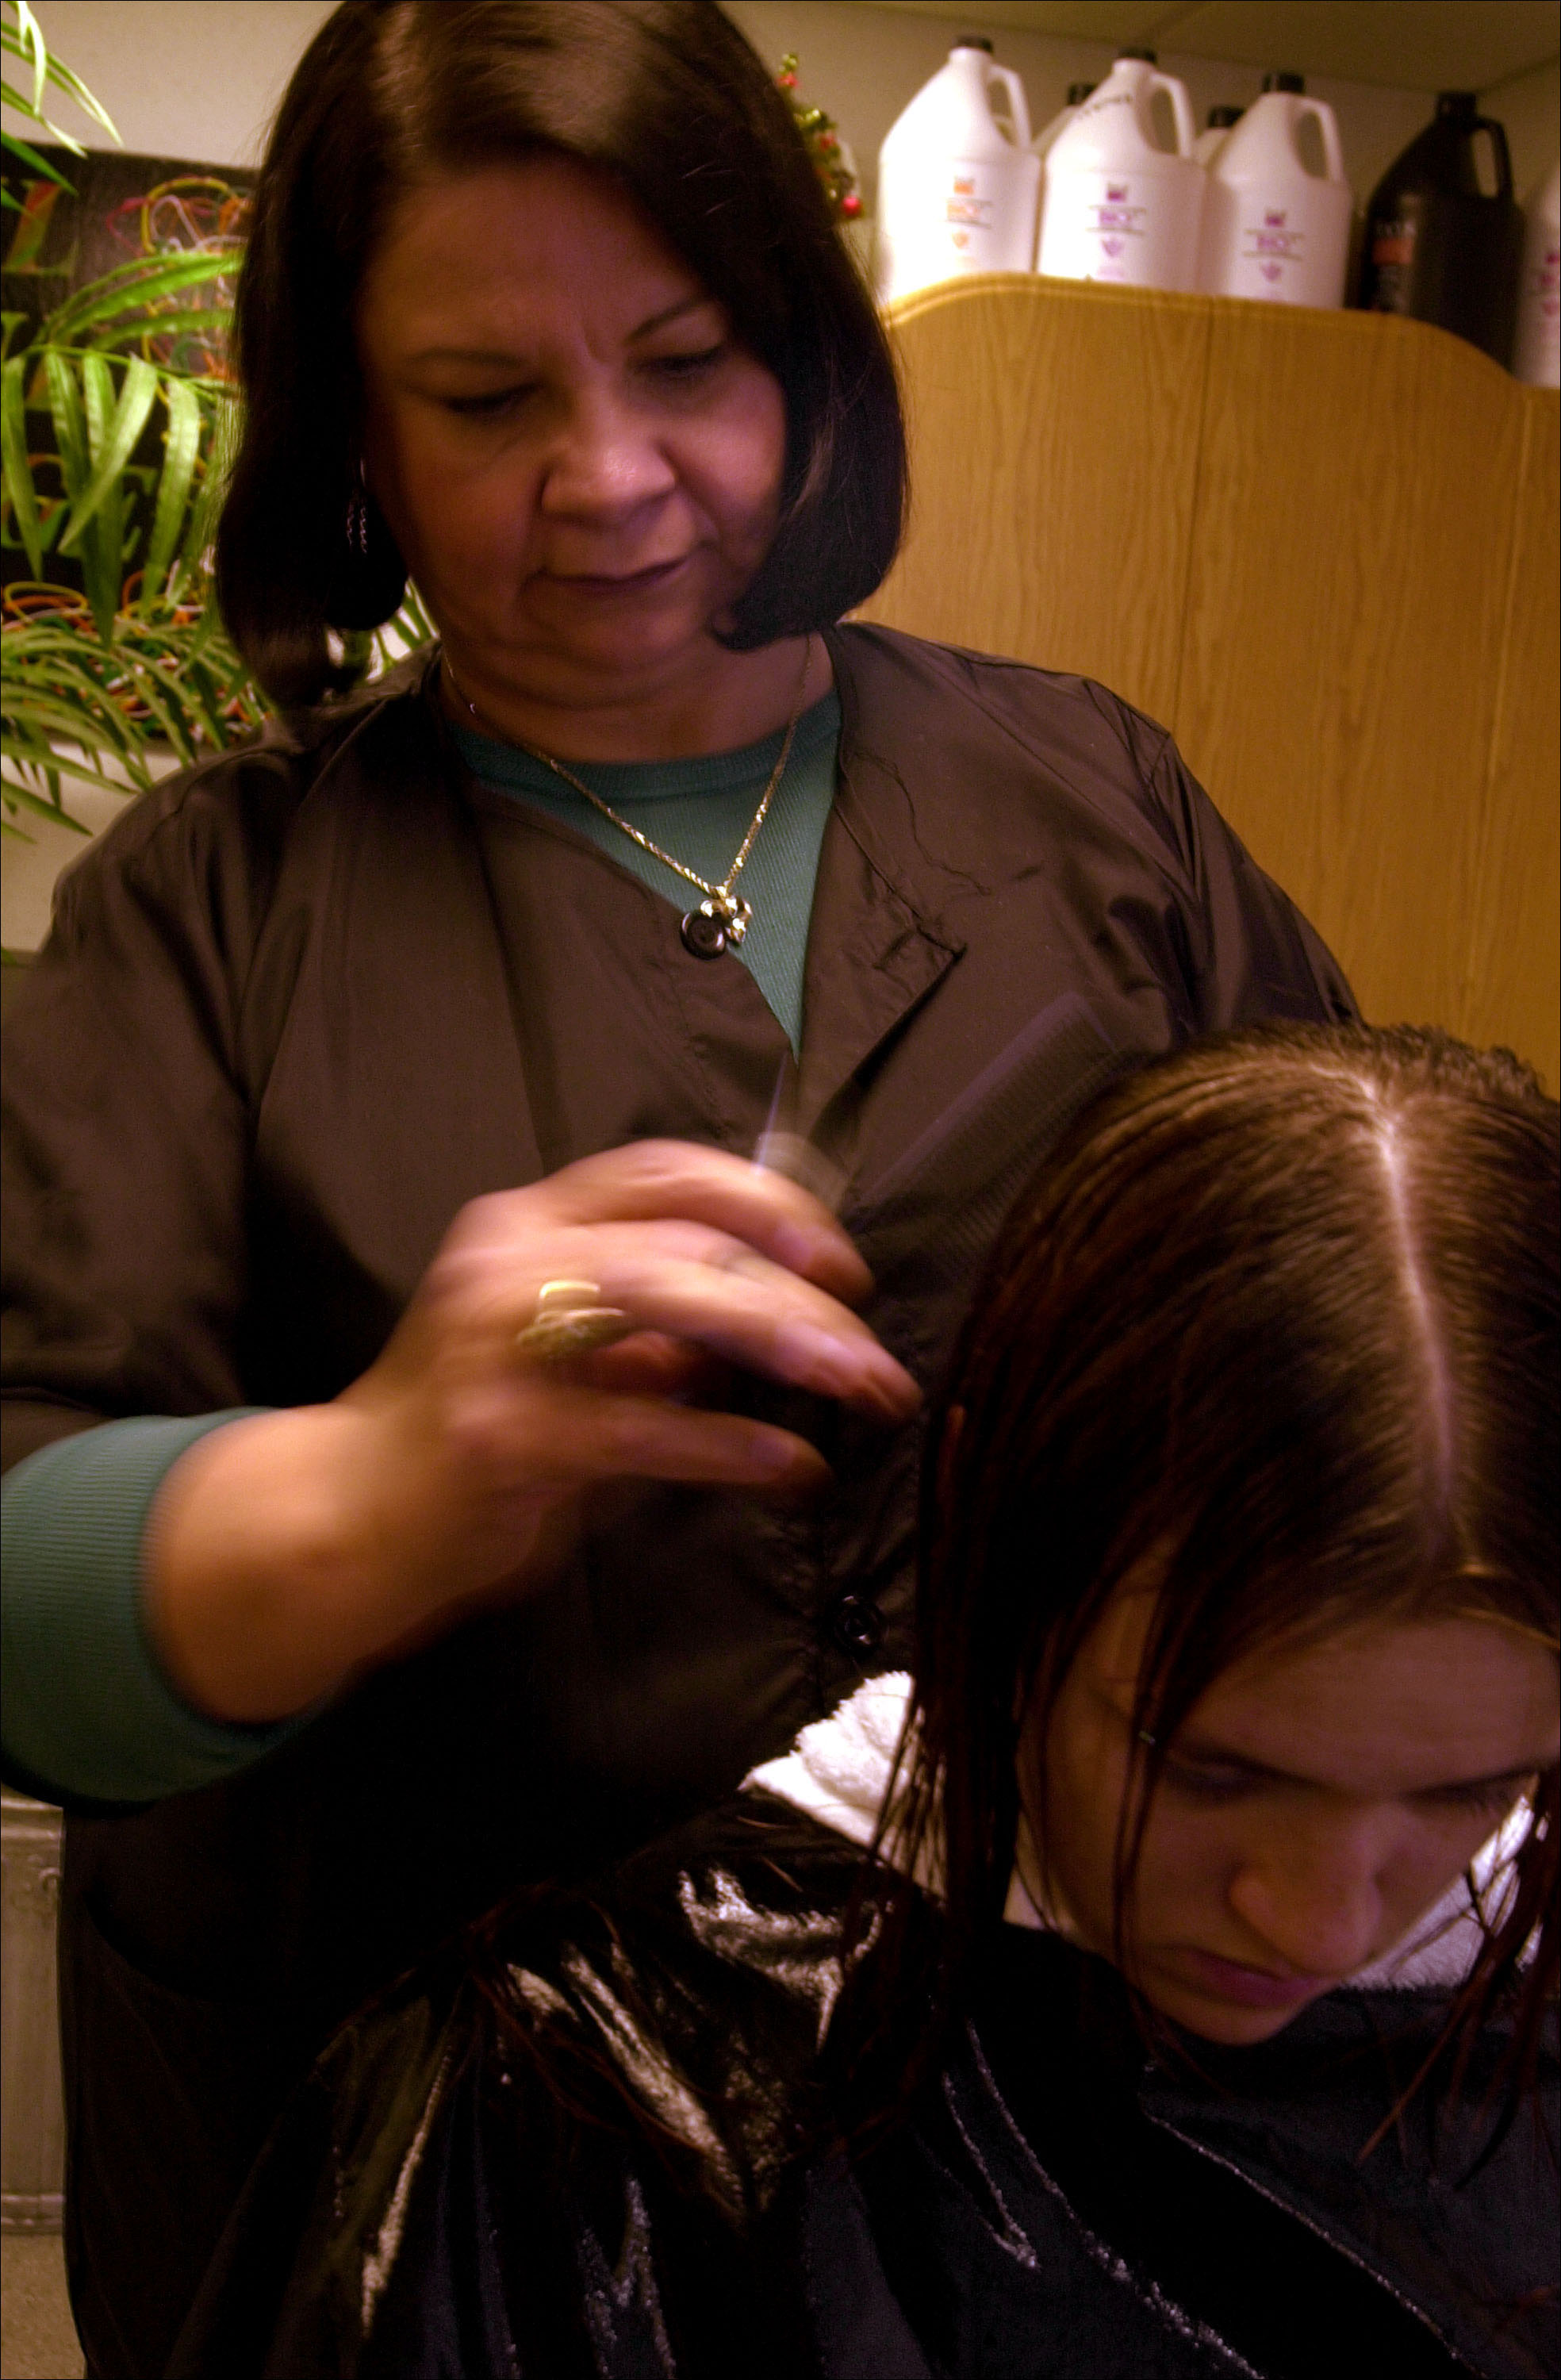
x,y
1317,1907
606,463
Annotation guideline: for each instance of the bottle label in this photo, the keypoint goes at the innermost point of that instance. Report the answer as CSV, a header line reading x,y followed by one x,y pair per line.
x,y
966,207
1138,229
1394,243
1273,244
1392,253
968,215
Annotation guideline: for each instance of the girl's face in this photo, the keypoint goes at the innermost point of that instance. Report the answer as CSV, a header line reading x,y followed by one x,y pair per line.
x,y
581,466
1317,1802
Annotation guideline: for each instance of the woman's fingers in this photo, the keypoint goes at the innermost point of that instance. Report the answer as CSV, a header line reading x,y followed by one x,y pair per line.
x,y
648,1364
574,1436
764,1318
665,1180
686,1283
683,1279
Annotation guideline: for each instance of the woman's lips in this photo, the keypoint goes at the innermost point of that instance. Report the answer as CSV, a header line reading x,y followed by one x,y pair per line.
x,y
629,582
1225,1979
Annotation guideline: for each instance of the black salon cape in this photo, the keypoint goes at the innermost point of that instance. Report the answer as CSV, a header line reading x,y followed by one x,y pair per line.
x,y
600,2138
298,1007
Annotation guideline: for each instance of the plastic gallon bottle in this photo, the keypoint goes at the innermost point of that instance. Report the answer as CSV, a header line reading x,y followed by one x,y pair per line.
x,y
1119,205
1077,94
1444,234
1534,354
1278,208
957,182
1220,120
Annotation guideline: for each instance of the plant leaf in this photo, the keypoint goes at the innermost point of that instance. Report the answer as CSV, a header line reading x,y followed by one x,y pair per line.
x,y
24,798
138,283
181,444
70,428
16,147
25,39
99,545
187,323
113,435
18,469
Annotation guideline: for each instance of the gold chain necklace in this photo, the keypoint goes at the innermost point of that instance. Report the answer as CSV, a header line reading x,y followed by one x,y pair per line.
x,y
723,916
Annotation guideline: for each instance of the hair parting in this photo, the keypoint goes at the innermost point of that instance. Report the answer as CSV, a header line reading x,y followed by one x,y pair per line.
x,y
1274,1334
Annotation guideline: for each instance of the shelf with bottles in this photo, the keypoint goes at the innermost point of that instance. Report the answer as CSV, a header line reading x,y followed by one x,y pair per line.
x,y
1120,190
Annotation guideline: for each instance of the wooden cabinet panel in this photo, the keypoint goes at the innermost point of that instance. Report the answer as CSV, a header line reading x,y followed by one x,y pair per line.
x,y
1345,606
1515,957
1056,446
1322,548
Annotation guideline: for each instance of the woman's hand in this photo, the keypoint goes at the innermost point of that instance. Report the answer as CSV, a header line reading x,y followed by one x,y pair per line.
x,y
288,1551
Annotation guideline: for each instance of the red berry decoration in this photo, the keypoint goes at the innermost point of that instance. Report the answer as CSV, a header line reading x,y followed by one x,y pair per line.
x,y
822,142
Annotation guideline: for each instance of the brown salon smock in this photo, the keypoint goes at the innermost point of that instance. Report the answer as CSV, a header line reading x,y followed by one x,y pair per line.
x,y
302,1003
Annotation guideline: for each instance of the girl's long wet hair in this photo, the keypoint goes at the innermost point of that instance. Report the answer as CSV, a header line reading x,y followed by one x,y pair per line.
x,y
1277,1324
667,100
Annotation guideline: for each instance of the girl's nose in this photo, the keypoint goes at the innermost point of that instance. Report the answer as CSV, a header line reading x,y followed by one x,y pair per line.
x,y
1317,1909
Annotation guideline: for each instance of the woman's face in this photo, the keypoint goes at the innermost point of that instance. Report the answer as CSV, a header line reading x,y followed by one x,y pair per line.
x,y
581,466
1317,1802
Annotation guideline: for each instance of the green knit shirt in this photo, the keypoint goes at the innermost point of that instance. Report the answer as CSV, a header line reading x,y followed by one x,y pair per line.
x,y
87,1710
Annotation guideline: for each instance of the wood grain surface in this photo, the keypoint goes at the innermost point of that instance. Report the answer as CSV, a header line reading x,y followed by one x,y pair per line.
x,y
1343,631
1322,547
1515,946
1055,457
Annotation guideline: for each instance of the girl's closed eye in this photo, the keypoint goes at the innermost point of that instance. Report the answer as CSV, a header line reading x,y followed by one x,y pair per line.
x,y
1202,1780
1493,1796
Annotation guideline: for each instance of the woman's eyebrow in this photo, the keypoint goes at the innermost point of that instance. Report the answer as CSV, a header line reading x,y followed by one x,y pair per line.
x,y
505,360
495,359
693,305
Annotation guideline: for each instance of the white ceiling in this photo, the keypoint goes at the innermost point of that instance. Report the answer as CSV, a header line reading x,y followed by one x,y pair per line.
x,y
1405,44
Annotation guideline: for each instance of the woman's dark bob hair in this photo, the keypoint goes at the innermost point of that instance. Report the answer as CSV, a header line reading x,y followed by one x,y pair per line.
x,y
668,98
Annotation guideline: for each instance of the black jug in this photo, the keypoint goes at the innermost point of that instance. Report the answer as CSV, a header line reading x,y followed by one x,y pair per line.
x,y
1439,247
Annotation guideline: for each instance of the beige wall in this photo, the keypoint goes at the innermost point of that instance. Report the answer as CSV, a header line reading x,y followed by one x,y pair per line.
x,y
1529,106
198,78
195,78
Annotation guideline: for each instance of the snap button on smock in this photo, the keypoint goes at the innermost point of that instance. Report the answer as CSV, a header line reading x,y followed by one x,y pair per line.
x,y
855,1625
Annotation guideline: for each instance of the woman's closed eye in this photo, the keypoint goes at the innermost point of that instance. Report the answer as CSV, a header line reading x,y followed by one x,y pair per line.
x,y
490,404
684,370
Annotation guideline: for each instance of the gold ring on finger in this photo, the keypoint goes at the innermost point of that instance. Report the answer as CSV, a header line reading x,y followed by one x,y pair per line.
x,y
570,1319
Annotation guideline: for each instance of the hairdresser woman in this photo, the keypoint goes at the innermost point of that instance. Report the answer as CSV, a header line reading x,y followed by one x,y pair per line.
x,y
374,1077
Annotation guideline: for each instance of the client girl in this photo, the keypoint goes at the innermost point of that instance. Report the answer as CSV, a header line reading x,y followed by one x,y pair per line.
x,y
1190,2015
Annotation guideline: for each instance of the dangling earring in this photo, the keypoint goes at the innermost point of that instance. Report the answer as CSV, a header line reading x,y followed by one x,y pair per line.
x,y
358,517
368,581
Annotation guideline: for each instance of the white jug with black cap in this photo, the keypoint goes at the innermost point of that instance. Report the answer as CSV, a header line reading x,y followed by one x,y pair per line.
x,y
1050,134
958,185
1219,121
1536,354
1278,208
1124,198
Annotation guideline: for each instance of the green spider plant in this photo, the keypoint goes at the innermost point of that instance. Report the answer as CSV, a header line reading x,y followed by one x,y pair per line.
x,y
106,683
